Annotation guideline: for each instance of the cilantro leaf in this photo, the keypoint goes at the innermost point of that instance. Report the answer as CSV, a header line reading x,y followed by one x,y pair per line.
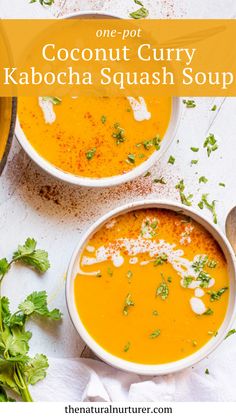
x,y
140,13
43,2
53,99
203,179
210,144
5,310
211,206
230,333
36,303
35,370
189,103
127,347
29,255
128,303
186,200
163,289
4,266
15,341
155,334
171,160
215,295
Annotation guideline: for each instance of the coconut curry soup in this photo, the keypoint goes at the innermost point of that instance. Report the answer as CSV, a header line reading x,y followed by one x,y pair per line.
x,y
95,137
152,286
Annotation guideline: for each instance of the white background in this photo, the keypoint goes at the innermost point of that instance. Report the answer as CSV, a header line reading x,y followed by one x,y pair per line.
x,y
26,211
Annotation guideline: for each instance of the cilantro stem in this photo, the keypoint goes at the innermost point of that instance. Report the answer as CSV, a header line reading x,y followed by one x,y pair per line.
x,y
24,391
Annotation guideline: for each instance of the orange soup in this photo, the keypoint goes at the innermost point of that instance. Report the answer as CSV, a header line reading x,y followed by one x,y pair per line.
x,y
152,286
95,137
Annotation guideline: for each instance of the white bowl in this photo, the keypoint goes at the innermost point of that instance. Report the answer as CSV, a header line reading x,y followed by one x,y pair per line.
x,y
107,181
157,369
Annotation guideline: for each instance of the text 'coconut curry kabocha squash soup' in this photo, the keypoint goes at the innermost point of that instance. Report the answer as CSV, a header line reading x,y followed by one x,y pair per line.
x,y
95,137
152,286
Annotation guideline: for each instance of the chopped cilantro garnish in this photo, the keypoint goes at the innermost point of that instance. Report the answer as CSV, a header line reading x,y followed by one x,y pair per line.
x,y
189,103
128,303
129,274
109,271
213,333
155,334
140,13
210,144
131,158
203,179
53,99
194,161
160,180
210,206
199,263
126,347
163,289
119,134
147,174
103,119
208,312
160,260
186,200
214,107
154,142
194,149
171,160
155,313
90,153
205,278
207,371
215,295
230,333
222,184
43,2
187,280
212,263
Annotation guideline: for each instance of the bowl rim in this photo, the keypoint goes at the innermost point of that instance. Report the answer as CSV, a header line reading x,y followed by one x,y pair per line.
x,y
167,140
153,369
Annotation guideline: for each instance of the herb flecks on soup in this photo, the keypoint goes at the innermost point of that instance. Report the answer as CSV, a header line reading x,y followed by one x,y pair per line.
x,y
95,137
152,286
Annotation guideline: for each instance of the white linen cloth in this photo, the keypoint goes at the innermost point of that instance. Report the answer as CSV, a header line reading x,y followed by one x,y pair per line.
x,y
89,380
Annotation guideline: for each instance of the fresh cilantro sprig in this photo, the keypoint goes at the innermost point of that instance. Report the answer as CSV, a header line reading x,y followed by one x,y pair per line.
x,y
18,369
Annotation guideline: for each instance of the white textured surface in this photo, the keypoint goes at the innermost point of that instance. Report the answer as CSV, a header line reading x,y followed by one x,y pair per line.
x,y
58,218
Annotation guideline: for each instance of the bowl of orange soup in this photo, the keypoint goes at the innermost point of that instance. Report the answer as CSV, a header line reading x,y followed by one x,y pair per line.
x,y
151,287
96,141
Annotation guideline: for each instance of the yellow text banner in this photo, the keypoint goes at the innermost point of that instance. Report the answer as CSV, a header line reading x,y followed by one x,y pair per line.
x,y
115,57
